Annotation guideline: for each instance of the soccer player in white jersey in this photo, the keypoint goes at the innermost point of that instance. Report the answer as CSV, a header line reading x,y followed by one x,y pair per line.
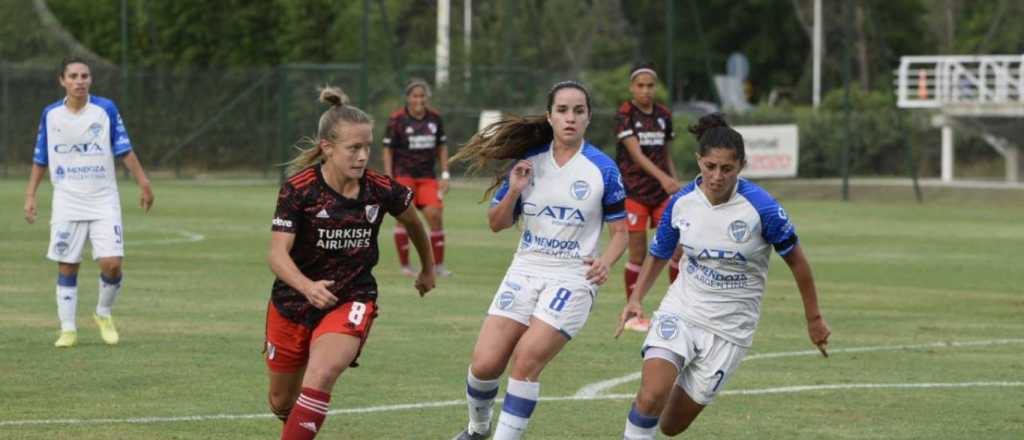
x,y
562,190
700,333
79,137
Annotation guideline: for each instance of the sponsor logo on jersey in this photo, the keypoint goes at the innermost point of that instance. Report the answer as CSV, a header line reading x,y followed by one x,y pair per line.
x,y
715,279
725,255
281,222
81,172
59,174
422,142
668,328
580,190
560,215
505,300
551,246
84,149
323,213
347,238
371,212
651,138
739,231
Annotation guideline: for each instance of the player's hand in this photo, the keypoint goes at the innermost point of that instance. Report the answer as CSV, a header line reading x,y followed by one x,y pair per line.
x,y
146,198
670,185
442,187
319,296
632,310
598,272
521,175
30,209
819,332
424,282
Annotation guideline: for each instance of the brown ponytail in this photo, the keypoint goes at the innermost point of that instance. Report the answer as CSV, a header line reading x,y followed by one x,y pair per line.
x,y
340,111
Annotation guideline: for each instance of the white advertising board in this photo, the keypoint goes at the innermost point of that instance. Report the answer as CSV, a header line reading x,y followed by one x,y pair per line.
x,y
772,150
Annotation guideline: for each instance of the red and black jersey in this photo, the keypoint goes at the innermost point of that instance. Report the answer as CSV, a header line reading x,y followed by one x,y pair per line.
x,y
654,132
414,142
335,237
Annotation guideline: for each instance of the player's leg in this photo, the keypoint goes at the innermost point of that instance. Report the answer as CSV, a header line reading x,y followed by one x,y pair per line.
x,y
660,369
507,320
401,235
66,242
335,345
636,216
679,413
286,351
107,237
284,390
433,210
701,381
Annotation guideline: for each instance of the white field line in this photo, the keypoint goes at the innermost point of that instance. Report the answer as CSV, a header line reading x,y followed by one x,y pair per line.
x,y
186,237
597,388
589,392
448,403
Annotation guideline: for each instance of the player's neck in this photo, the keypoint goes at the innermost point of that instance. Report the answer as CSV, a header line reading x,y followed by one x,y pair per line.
x,y
417,114
563,153
76,104
339,183
712,198
644,108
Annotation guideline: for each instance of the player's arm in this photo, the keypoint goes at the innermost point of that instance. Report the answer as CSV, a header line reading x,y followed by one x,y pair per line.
x,y
664,245
418,236
442,159
600,266
387,157
668,183
131,161
282,265
503,214
817,328
671,163
34,177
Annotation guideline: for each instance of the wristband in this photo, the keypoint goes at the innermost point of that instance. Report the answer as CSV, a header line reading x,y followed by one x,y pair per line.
x,y
445,175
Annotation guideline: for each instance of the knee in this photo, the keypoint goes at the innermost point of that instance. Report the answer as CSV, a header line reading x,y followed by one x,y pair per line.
x,y
111,269
650,402
281,403
526,367
323,376
486,368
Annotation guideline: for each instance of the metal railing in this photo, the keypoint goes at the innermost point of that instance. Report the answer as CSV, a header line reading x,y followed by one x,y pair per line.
x,y
936,81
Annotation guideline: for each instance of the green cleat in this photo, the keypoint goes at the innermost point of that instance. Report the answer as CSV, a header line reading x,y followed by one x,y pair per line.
x,y
67,339
107,330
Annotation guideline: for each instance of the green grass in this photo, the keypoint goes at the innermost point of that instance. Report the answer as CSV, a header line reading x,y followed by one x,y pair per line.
x,y
889,272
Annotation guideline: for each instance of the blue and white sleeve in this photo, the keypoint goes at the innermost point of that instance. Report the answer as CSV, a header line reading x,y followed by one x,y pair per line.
x,y
118,134
41,155
613,204
776,228
666,237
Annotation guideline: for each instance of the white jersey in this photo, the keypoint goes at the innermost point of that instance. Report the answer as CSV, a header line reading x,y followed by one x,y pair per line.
x,y
727,248
79,149
563,210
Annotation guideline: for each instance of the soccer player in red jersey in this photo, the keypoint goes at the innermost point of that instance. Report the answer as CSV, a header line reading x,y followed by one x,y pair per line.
x,y
644,130
322,250
414,140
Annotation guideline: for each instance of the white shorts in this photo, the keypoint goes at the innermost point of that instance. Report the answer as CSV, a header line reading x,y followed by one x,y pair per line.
x,y
67,240
565,305
706,361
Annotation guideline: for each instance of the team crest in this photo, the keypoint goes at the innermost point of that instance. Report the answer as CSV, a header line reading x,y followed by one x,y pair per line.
x,y
505,300
739,231
683,225
661,122
631,218
433,127
371,212
580,190
61,247
408,130
95,129
668,328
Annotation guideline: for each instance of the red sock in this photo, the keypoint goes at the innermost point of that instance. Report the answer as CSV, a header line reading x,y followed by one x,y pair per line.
x,y
632,273
437,242
402,243
307,416
673,270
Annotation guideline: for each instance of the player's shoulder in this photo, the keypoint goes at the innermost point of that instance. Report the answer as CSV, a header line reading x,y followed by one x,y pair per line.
x,y
433,113
662,109
53,106
597,157
625,108
398,114
104,103
758,197
303,179
378,181
536,150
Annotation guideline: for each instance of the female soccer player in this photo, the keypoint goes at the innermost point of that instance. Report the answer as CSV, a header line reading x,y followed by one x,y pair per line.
x,y
322,250
414,140
79,137
726,227
644,130
562,189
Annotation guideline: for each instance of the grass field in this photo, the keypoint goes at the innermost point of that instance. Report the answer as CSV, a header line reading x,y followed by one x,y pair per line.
x,y
926,304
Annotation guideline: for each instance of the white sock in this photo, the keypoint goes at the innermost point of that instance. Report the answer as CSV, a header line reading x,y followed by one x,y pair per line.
x,y
520,400
110,289
639,426
480,396
67,301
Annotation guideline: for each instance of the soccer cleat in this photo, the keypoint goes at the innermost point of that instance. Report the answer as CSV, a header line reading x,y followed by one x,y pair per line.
x,y
638,325
466,434
440,271
107,330
408,271
67,339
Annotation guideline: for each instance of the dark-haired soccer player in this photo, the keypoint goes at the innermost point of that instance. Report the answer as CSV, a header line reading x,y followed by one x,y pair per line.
x,y
644,130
